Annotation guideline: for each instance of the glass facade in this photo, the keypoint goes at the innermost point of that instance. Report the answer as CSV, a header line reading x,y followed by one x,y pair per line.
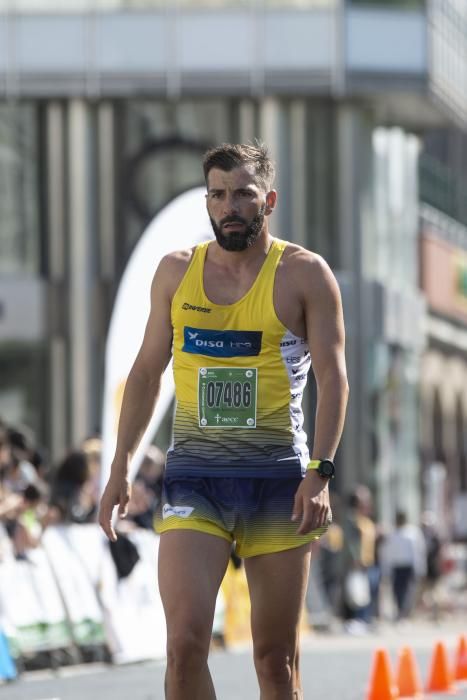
x,y
392,250
19,190
442,187
23,368
23,380
391,258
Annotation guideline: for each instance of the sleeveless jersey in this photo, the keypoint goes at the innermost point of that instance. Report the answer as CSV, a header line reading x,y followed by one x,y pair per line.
x,y
239,379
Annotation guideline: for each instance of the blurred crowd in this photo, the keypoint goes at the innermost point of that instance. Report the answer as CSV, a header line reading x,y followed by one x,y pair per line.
x,y
35,494
369,572
357,559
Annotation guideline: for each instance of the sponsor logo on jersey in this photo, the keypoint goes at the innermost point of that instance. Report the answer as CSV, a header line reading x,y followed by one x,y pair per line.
x,y
191,307
179,511
204,341
287,343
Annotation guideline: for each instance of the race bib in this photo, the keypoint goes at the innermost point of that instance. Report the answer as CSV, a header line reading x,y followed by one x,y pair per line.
x,y
227,397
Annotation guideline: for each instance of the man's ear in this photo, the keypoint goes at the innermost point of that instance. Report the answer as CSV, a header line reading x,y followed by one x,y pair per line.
x,y
271,199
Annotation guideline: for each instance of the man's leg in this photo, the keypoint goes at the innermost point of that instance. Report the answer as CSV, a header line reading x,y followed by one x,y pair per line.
x,y
401,580
277,584
191,567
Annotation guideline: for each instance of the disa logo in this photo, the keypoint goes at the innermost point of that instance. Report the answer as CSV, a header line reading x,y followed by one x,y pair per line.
x,y
203,341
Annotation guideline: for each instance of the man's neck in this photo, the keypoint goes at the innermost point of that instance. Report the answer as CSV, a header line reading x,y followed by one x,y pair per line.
x,y
241,258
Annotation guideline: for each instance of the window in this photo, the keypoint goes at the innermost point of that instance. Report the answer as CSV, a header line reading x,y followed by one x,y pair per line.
x,y
19,206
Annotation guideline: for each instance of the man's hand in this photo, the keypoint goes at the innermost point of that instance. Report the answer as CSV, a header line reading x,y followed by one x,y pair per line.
x,y
311,503
116,493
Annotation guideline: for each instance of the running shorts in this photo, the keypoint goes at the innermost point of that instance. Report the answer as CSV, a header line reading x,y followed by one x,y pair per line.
x,y
255,514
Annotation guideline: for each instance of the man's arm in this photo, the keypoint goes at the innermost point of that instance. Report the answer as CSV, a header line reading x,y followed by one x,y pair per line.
x,y
326,340
141,391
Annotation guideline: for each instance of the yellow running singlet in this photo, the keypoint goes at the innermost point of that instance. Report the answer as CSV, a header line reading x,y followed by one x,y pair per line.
x,y
239,377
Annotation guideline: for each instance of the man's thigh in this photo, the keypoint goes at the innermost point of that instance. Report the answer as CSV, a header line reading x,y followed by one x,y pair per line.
x,y
191,566
277,584
266,525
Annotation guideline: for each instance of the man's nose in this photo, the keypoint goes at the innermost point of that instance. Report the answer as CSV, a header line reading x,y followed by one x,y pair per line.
x,y
230,205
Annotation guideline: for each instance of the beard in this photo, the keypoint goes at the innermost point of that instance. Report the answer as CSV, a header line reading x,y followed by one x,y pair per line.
x,y
239,240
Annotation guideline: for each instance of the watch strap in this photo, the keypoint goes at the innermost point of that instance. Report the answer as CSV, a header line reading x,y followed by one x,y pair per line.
x,y
318,465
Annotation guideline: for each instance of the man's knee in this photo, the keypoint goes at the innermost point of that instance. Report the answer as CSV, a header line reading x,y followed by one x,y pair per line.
x,y
187,652
276,665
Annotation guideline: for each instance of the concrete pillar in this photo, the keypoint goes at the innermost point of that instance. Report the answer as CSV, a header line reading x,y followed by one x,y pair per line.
x,y
56,228
353,155
80,265
274,132
299,185
106,179
247,121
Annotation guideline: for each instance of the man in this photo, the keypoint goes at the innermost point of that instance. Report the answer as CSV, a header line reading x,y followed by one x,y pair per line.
x,y
243,316
404,559
359,561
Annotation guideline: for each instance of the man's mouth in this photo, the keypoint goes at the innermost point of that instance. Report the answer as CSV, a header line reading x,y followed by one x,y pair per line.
x,y
230,225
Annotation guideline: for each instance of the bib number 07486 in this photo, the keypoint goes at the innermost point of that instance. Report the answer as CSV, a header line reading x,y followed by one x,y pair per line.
x,y
236,394
227,397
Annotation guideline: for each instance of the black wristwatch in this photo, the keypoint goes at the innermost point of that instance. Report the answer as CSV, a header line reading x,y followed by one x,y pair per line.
x,y
324,467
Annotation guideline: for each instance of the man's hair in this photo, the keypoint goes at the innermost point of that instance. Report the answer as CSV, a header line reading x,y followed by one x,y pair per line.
x,y
228,156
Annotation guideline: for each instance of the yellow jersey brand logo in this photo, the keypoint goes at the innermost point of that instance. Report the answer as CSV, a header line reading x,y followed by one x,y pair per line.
x,y
191,307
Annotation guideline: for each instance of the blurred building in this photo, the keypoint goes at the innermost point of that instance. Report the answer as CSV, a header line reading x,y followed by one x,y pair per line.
x,y
105,109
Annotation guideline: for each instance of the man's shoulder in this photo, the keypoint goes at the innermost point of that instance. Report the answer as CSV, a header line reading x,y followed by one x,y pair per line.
x,y
307,268
297,257
177,259
176,262
172,268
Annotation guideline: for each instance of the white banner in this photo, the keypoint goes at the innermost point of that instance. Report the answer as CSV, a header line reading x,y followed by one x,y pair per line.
x,y
181,224
132,607
31,608
77,589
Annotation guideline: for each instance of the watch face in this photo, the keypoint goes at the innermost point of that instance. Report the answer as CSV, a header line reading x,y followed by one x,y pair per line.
x,y
326,468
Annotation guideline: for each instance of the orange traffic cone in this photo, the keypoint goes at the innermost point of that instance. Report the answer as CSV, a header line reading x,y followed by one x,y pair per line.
x,y
440,678
408,676
460,667
382,686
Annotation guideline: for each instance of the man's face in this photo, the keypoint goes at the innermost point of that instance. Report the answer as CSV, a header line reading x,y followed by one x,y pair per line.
x,y
237,206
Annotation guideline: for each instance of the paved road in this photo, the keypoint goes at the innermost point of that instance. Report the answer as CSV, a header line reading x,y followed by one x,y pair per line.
x,y
335,667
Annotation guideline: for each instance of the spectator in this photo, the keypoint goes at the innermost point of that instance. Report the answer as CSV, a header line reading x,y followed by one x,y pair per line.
x,y
152,469
403,558
26,526
72,492
434,547
331,559
5,450
21,490
359,561
92,448
146,490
